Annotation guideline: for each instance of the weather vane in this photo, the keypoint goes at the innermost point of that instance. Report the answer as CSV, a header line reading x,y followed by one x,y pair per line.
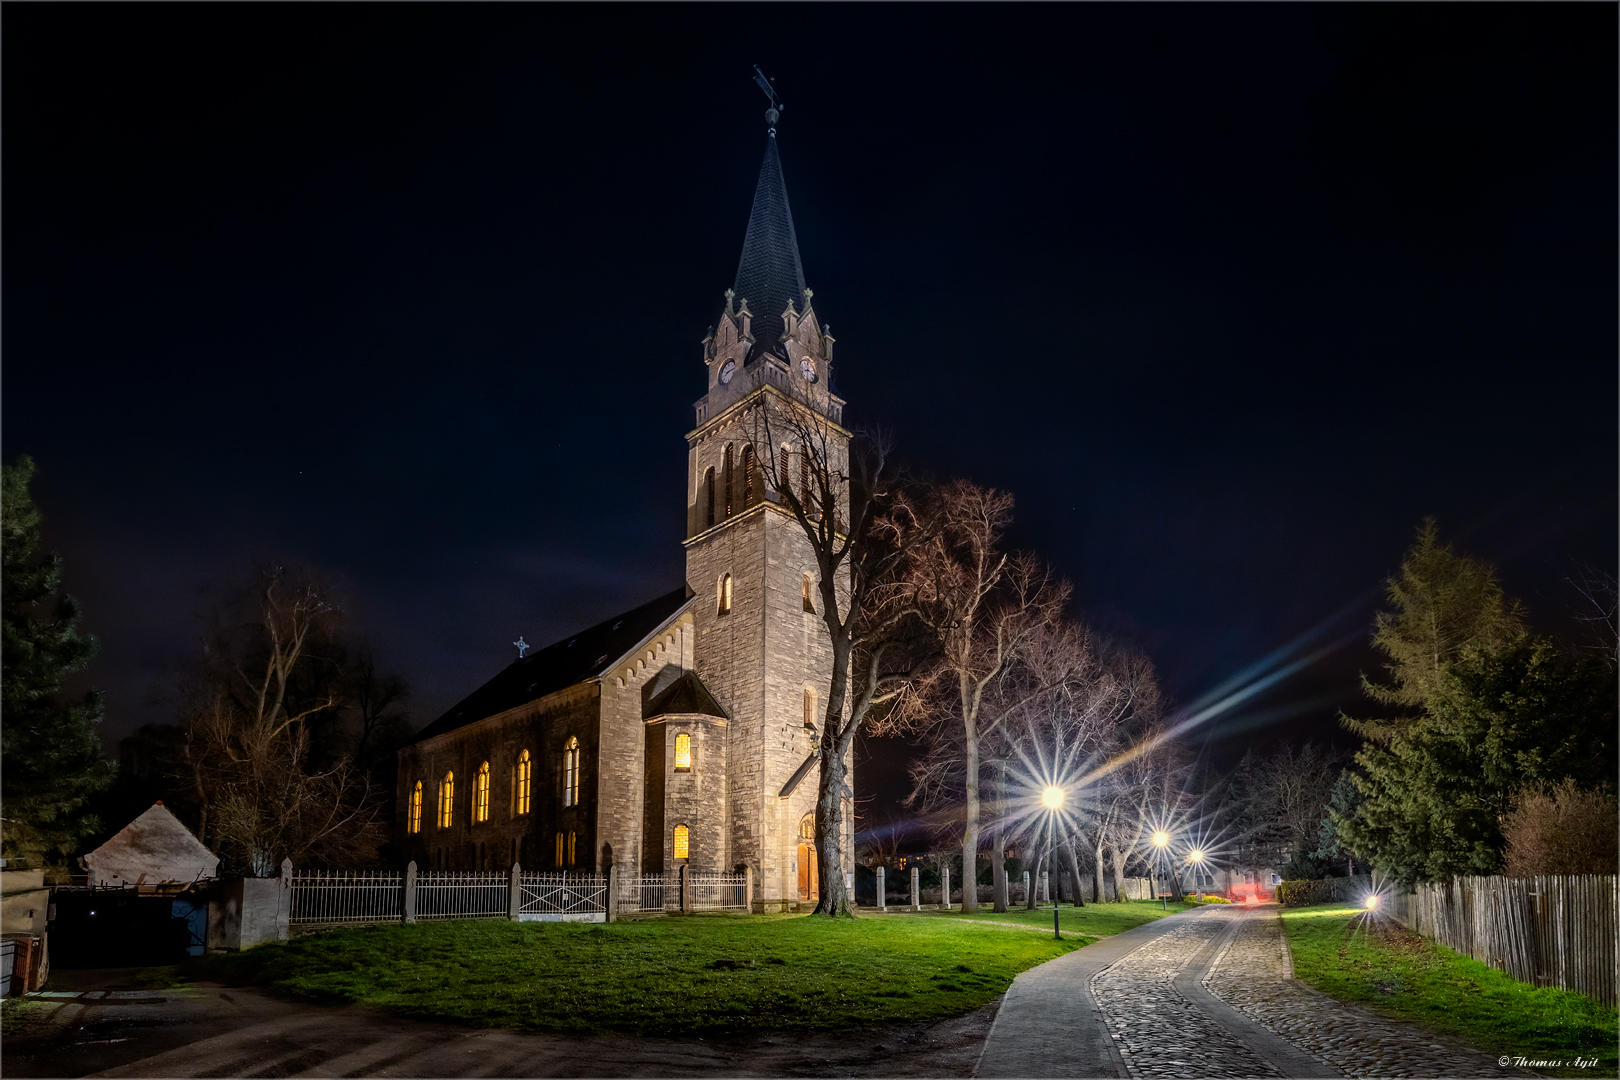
x,y
774,113
522,646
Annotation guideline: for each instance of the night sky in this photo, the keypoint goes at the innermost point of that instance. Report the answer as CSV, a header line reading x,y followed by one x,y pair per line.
x,y
1229,297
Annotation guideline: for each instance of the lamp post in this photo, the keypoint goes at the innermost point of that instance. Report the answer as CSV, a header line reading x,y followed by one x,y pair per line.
x,y
1161,840
1052,799
1196,857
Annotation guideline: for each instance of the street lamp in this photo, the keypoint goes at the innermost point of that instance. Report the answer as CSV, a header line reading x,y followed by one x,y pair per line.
x,y
1052,799
1161,840
1196,857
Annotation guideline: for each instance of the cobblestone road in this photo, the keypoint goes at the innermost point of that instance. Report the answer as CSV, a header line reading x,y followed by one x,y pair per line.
x,y
1158,1031
1249,976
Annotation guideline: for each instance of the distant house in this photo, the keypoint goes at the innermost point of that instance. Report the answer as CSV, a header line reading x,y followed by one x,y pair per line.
x,y
155,853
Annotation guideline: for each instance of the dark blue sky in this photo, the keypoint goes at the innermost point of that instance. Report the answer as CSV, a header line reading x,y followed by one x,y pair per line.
x,y
1229,297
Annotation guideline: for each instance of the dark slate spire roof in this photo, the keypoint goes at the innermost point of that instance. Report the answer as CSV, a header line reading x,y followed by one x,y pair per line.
x,y
769,274
586,655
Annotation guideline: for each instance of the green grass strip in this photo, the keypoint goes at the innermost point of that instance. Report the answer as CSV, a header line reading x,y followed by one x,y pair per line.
x,y
679,975
1373,961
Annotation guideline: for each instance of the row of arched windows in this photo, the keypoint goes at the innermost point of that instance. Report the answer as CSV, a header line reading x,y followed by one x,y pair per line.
x,y
735,489
522,789
722,594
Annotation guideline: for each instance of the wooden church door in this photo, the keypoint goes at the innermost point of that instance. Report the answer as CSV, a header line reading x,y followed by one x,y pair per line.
x,y
807,858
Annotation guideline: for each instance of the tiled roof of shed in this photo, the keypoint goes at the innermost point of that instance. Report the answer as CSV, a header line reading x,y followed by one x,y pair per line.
x,y
585,655
686,694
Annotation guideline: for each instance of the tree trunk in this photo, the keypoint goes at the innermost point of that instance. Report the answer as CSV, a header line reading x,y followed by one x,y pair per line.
x,y
1098,893
1118,858
832,897
1074,872
998,853
1032,894
970,830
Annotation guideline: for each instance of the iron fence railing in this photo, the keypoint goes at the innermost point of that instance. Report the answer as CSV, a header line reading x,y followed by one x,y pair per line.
x,y
561,894
335,896
463,894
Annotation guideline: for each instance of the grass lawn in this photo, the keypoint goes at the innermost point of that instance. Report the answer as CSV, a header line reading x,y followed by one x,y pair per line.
x,y
1093,921
705,974
1373,961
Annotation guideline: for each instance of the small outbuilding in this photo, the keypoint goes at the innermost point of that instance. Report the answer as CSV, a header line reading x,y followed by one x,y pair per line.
x,y
153,853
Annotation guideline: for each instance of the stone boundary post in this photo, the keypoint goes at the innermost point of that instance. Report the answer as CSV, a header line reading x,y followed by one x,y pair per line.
x,y
916,894
883,899
945,893
1046,887
409,903
284,902
748,888
514,892
612,899
1026,887
686,888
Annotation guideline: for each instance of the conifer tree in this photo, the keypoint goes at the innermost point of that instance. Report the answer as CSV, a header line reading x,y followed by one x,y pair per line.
x,y
53,759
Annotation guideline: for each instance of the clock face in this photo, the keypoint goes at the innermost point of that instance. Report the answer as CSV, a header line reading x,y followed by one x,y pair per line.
x,y
727,371
808,368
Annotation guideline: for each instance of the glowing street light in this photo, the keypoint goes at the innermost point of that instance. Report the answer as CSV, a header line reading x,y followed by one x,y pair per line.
x,y
1372,903
1161,839
1052,798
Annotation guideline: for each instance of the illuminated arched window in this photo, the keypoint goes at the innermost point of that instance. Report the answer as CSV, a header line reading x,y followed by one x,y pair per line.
x,y
807,829
525,777
708,499
447,800
809,603
573,839
413,816
571,772
723,595
683,752
481,793
560,840
683,842
810,708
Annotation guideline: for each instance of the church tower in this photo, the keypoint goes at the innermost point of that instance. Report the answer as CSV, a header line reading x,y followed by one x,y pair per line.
x,y
760,644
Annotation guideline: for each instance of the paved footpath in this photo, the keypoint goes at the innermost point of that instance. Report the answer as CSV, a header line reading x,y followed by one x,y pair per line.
x,y
1206,993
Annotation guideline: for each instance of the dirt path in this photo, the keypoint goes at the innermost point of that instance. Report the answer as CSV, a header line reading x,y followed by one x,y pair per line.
x,y
219,1031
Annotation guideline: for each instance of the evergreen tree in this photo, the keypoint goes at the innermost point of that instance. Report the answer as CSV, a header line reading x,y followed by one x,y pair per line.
x,y
1498,709
53,759
1445,606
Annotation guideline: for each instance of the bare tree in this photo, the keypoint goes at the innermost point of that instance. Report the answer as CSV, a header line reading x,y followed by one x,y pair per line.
x,y
862,521
264,752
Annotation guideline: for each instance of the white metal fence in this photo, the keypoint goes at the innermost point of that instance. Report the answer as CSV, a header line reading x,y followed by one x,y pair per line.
x,y
561,894
323,896
719,892
642,893
463,894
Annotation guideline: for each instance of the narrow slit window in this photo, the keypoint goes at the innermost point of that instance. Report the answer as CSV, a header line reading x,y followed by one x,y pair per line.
x,y
683,752
414,816
683,842
726,481
809,603
748,476
525,781
723,595
447,800
810,708
573,840
571,772
708,499
481,793
559,860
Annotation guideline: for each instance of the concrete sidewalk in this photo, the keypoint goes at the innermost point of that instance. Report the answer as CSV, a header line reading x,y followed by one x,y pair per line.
x,y
1050,1025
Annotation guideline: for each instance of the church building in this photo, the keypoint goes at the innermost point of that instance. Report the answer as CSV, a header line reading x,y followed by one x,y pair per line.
x,y
683,731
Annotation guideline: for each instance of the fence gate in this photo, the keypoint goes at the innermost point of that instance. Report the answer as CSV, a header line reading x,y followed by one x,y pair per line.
x,y
560,896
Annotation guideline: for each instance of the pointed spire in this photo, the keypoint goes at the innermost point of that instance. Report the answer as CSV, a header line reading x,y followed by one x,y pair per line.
x,y
769,274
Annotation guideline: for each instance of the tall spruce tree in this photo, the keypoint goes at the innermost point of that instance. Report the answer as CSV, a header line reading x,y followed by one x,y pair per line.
x,y
1498,709
53,758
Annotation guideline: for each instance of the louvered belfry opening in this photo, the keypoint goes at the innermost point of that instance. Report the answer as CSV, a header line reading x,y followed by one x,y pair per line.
x,y
726,480
748,497
708,499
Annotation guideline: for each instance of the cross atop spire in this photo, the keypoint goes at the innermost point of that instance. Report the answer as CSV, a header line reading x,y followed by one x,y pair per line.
x,y
769,275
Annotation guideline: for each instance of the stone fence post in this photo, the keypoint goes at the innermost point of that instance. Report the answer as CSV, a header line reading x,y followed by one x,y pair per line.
x,y
748,888
1026,887
410,892
612,901
1046,887
945,893
916,894
284,902
883,899
686,888
514,892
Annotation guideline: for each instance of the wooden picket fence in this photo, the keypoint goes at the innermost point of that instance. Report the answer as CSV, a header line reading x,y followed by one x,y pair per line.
x,y
1546,931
